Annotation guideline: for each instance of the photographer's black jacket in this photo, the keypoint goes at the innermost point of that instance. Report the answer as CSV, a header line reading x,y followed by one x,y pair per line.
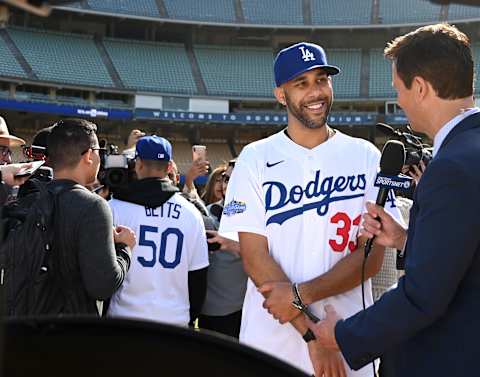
x,y
91,266
153,193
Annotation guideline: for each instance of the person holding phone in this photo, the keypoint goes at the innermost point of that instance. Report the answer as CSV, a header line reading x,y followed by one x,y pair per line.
x,y
200,166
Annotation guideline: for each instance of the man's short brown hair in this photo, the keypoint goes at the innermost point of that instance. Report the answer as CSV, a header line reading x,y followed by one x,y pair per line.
x,y
440,54
161,166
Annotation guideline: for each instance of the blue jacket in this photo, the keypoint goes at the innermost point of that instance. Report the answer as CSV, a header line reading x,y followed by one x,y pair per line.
x,y
430,324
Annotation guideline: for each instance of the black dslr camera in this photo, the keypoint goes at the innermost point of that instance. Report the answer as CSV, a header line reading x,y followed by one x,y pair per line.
x,y
415,149
116,170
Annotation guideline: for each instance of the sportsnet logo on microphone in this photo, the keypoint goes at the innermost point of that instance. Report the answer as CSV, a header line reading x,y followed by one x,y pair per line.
x,y
393,182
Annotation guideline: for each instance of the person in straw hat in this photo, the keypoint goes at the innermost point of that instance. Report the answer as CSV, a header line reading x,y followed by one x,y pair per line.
x,y
7,141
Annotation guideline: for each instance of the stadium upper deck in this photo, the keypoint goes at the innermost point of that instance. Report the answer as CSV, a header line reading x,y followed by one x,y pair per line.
x,y
166,68
293,13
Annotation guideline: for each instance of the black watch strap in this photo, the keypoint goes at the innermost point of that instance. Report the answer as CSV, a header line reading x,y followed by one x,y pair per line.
x,y
308,336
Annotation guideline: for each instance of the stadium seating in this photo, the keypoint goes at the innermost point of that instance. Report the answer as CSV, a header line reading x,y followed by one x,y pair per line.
x,y
380,83
182,153
217,152
154,67
136,7
347,83
62,57
476,59
286,12
341,12
205,10
8,64
463,12
236,71
410,11
273,12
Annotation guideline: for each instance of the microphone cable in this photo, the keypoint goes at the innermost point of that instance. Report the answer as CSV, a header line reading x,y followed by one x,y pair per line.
x,y
364,264
391,161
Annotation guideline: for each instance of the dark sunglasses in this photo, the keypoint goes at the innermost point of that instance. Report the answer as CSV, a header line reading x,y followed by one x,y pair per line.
x,y
99,149
5,151
225,178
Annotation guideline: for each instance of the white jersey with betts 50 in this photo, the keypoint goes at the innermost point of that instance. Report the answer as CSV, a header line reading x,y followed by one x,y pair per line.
x,y
171,242
308,203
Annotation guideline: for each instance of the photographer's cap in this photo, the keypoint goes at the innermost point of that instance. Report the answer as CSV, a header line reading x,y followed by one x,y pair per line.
x,y
300,58
154,148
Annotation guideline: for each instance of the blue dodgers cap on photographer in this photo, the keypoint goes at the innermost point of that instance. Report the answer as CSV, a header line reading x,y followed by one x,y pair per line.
x,y
300,58
153,148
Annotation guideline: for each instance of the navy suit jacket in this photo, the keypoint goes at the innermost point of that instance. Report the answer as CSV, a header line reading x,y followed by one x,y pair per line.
x,y
430,324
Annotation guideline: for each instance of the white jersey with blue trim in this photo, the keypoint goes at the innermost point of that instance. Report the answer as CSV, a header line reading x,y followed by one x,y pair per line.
x,y
308,203
171,241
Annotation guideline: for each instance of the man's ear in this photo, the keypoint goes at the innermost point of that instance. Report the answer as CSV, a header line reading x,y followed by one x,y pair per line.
x,y
87,157
279,94
422,88
138,164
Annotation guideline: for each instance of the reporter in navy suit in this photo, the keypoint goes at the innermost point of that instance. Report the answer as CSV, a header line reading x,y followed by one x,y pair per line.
x,y
430,324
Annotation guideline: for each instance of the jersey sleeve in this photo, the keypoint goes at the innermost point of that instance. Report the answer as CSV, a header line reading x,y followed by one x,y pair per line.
x,y
244,209
198,255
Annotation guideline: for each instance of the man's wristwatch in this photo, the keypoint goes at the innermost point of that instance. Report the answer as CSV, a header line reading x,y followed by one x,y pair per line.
x,y
298,303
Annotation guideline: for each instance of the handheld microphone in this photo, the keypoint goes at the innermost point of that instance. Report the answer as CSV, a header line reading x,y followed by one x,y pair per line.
x,y
391,162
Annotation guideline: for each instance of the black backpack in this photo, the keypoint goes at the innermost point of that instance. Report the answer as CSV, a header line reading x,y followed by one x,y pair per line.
x,y
30,283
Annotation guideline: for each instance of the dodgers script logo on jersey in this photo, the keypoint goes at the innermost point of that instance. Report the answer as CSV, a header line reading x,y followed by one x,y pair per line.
x,y
277,195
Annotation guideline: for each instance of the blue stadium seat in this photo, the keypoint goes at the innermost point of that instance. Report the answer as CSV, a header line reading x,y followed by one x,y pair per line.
x,y
204,10
463,12
347,83
8,64
273,12
476,59
341,12
154,67
408,11
236,71
380,84
136,7
62,57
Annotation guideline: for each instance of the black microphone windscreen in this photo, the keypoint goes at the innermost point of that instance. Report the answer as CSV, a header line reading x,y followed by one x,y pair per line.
x,y
393,158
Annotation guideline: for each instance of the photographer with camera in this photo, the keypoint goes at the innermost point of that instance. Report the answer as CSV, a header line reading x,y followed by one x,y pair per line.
x,y
59,250
167,279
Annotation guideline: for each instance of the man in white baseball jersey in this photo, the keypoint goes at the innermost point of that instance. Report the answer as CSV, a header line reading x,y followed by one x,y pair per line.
x,y
167,277
296,200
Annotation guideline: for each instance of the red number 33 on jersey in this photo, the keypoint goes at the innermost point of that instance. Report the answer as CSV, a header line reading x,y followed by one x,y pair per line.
x,y
343,232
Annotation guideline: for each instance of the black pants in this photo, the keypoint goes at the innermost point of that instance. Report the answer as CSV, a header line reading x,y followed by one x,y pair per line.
x,y
227,324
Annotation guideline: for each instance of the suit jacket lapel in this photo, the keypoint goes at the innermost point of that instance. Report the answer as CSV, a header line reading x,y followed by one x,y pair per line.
x,y
468,123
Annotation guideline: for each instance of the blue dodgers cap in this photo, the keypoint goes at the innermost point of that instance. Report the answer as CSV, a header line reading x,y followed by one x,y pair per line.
x,y
153,148
299,58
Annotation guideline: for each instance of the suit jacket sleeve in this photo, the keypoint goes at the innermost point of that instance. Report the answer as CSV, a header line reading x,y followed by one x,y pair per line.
x,y
440,248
